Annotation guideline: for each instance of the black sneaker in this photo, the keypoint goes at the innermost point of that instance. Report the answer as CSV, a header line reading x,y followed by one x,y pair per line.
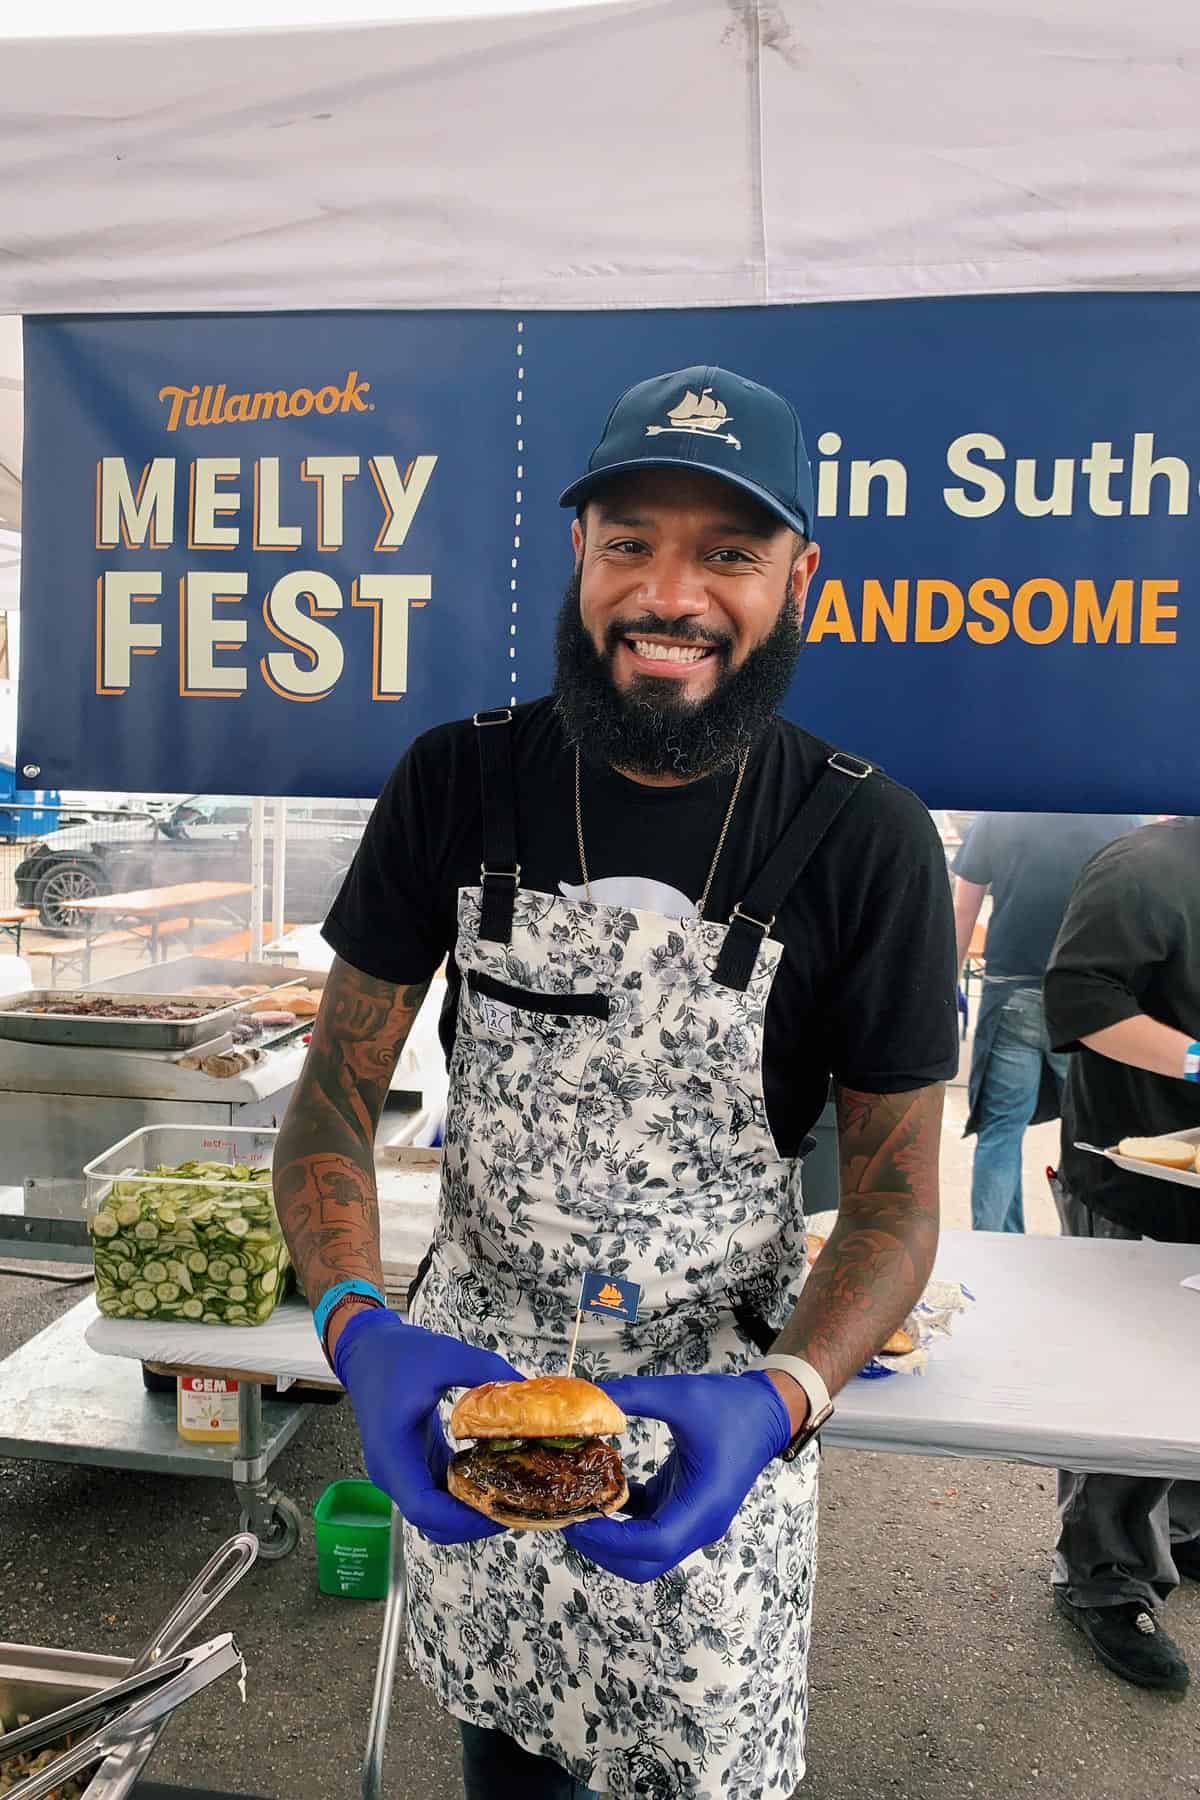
x,y
1187,1560
1129,1640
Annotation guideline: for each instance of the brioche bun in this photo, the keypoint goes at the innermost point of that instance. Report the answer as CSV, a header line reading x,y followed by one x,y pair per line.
x,y
547,1406
1166,1153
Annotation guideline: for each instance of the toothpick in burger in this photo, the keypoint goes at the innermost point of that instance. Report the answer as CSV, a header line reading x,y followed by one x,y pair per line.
x,y
539,1461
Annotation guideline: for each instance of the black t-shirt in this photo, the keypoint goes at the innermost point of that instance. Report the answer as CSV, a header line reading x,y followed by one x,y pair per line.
x,y
1031,861
1130,944
865,990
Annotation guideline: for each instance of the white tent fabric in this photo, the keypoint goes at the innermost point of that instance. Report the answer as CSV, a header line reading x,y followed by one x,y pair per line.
x,y
641,153
605,153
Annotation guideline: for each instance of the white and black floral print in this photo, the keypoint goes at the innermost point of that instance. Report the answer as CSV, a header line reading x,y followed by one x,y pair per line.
x,y
637,1145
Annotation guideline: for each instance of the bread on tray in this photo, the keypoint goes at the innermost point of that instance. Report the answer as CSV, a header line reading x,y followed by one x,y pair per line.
x,y
1166,1153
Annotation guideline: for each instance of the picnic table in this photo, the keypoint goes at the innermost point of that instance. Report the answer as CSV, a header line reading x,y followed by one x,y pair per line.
x,y
150,907
14,919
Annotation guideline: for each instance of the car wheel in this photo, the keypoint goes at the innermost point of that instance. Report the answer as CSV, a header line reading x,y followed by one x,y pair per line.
x,y
65,882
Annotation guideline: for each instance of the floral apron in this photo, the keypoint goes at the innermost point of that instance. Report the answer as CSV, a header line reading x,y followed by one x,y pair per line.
x,y
606,1113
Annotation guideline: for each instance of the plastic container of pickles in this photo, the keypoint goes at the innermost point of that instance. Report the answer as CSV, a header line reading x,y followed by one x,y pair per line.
x,y
183,1226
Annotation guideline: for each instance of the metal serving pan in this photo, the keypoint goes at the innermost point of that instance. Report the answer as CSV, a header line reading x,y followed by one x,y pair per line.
x,y
35,1681
113,1034
183,972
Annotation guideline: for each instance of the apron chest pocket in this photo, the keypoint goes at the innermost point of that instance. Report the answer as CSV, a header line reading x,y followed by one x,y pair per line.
x,y
498,1001
522,1057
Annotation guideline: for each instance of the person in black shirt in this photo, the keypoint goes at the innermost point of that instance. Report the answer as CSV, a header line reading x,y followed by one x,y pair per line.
x,y
1123,994
1029,861
671,920
861,993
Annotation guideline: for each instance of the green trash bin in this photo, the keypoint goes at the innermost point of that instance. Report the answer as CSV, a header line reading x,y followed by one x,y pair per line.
x,y
354,1536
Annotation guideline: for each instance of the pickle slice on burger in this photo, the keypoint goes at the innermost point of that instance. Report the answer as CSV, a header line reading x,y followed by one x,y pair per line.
x,y
539,1460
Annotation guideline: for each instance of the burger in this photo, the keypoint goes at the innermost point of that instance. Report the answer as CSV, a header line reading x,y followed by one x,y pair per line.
x,y
539,1460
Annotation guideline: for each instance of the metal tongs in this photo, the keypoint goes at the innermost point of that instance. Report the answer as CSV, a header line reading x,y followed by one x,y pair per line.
x,y
101,1708
132,1713
174,1682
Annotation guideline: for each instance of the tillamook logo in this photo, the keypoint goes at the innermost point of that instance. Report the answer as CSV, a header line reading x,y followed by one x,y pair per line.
x,y
212,406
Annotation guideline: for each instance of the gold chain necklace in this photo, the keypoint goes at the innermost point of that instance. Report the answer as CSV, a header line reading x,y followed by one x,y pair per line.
x,y
703,900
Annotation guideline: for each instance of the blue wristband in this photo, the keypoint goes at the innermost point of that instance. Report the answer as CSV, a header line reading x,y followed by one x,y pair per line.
x,y
1191,1063
339,1291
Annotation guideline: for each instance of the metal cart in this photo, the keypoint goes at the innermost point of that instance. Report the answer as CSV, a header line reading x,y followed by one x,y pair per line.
x,y
59,1402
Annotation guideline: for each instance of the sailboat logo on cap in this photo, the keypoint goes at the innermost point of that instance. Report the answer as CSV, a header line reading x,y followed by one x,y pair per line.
x,y
698,413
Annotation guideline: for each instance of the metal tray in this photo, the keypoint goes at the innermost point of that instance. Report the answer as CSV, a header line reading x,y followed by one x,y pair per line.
x,y
112,1034
183,972
35,1681
1153,1171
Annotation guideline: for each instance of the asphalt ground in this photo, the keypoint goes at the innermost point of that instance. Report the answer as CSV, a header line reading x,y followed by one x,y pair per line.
x,y
939,1668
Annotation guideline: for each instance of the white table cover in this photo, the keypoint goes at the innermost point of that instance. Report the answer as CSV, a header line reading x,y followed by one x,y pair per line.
x,y
1078,1354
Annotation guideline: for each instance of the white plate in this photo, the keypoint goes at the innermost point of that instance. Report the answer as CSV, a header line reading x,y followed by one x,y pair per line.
x,y
1182,1177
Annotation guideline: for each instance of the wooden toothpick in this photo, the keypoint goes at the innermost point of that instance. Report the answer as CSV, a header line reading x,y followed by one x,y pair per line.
x,y
574,1341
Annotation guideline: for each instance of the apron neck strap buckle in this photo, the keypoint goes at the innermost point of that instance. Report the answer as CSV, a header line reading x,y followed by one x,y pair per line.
x,y
498,900
739,952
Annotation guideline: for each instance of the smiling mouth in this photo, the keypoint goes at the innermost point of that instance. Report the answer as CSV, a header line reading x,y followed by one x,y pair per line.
x,y
676,655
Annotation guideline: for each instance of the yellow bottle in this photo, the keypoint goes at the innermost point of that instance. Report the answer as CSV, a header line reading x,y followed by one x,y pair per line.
x,y
207,1409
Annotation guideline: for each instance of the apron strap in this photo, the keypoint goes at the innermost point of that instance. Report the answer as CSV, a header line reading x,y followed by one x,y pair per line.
x,y
423,1268
753,917
755,1328
500,870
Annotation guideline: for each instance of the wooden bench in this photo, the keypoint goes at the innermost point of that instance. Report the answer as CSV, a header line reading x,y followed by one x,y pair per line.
x,y
233,947
66,952
14,919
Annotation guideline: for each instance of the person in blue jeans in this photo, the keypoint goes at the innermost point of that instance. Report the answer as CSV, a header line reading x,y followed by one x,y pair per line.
x,y
1029,862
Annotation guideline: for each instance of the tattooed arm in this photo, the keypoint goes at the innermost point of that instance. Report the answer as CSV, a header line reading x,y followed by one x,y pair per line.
x,y
881,1250
324,1173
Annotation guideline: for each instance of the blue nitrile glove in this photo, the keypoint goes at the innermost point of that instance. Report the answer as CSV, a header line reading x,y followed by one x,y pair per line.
x,y
395,1375
726,1428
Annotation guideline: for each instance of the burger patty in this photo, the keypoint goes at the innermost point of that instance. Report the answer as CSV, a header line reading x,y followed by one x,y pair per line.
x,y
543,1482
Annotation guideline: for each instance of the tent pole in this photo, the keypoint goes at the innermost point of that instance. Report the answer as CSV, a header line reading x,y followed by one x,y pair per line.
x,y
258,817
278,867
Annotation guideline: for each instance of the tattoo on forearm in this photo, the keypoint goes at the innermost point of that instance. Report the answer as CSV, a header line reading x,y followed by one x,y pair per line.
x,y
878,1258
324,1175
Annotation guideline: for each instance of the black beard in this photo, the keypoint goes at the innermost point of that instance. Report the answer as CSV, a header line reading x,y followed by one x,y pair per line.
x,y
650,729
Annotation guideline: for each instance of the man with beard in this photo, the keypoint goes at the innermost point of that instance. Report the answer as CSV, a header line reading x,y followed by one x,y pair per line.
x,y
672,920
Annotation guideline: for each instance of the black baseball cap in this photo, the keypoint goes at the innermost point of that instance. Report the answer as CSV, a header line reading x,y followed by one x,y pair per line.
x,y
709,419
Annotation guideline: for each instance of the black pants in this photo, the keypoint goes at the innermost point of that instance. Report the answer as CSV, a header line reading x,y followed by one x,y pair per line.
x,y
1116,1532
495,1767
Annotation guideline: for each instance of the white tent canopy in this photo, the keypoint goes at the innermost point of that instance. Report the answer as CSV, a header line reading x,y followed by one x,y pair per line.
x,y
633,153
645,152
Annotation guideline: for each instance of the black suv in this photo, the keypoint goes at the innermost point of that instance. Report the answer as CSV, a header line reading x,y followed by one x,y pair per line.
x,y
205,838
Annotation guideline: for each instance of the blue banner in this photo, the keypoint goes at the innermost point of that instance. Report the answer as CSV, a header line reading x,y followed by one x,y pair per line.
x,y
260,555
